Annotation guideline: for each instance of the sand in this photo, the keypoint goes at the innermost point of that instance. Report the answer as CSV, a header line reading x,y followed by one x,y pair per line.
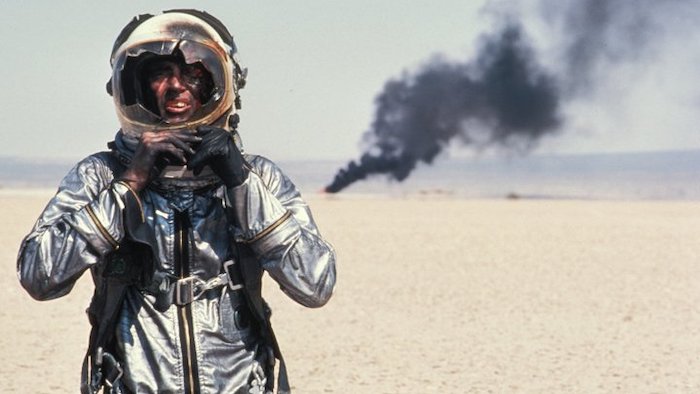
x,y
440,295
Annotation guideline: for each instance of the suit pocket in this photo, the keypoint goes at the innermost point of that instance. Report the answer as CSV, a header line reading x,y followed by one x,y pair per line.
x,y
236,321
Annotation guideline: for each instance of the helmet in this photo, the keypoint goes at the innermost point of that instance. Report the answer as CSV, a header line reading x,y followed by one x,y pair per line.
x,y
191,36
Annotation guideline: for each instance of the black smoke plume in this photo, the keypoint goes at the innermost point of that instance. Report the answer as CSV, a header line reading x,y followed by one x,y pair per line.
x,y
596,33
503,93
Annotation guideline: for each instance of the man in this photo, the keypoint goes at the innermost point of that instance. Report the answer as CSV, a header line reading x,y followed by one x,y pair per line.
x,y
177,225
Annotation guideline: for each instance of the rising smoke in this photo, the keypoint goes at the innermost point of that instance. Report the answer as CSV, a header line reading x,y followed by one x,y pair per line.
x,y
504,97
598,33
503,91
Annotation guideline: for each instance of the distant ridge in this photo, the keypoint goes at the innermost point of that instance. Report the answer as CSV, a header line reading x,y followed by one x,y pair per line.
x,y
19,172
629,175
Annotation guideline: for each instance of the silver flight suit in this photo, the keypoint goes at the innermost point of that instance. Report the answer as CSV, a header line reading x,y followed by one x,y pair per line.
x,y
205,346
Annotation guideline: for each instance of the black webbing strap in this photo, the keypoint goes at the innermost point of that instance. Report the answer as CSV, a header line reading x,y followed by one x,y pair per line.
x,y
103,314
282,377
261,312
249,273
119,270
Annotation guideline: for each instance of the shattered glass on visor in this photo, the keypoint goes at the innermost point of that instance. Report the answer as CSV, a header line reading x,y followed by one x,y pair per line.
x,y
128,83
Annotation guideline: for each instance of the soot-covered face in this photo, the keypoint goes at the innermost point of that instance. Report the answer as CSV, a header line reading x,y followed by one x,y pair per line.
x,y
178,89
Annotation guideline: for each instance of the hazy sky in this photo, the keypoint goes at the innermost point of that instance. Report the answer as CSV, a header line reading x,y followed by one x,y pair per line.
x,y
316,66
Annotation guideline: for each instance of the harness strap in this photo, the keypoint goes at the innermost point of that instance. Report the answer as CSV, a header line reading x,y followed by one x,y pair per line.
x,y
111,370
103,313
184,291
262,313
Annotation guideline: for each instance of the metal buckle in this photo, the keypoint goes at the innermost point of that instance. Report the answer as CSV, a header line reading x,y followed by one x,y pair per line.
x,y
231,285
109,383
195,287
107,368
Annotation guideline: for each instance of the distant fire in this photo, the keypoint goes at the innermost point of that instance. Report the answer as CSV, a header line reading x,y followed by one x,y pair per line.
x,y
417,116
503,97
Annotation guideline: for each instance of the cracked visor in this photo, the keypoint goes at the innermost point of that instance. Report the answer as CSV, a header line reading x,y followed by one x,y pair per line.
x,y
201,69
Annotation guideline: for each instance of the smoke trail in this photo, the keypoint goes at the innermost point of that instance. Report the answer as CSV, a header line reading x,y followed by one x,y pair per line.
x,y
503,90
504,97
596,33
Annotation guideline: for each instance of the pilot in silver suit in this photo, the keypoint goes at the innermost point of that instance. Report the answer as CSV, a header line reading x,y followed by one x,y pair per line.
x,y
177,225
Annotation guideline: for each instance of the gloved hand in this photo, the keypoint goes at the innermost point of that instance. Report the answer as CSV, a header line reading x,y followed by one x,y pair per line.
x,y
219,151
155,151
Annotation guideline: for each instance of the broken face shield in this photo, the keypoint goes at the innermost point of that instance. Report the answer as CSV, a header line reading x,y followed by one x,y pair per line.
x,y
203,72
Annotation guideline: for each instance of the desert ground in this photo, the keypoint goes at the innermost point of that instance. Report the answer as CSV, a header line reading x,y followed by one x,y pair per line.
x,y
441,295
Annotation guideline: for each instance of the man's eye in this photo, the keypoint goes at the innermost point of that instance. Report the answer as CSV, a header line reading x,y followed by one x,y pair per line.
x,y
194,72
159,74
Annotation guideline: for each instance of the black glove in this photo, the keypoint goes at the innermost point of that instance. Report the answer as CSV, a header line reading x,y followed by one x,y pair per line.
x,y
155,151
218,150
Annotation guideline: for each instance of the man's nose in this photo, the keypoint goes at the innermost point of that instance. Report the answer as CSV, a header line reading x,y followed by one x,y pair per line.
x,y
175,81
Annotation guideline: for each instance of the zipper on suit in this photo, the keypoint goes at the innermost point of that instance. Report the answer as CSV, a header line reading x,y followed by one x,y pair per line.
x,y
184,312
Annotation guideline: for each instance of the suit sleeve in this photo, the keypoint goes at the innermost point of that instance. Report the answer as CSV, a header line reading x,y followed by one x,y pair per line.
x,y
273,219
81,223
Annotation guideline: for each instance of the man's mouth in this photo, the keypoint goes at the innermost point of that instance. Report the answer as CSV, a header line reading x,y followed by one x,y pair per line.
x,y
177,106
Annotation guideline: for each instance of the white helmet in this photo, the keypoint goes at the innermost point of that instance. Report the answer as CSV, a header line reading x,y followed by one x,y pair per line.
x,y
194,37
